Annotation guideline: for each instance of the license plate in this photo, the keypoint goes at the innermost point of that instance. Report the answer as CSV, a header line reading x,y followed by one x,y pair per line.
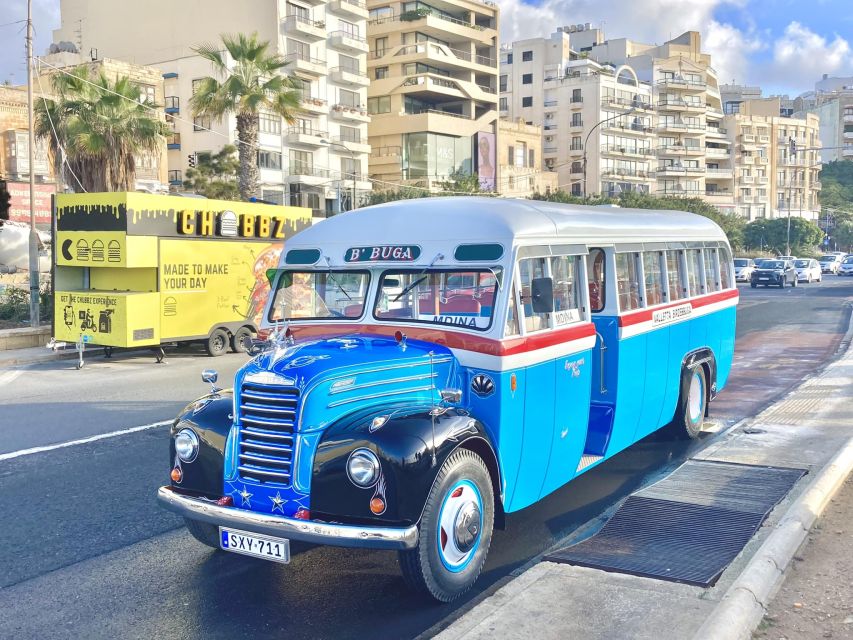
x,y
251,544
764,278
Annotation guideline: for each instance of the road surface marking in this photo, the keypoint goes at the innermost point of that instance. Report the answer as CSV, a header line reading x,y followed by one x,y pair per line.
x,y
9,376
71,443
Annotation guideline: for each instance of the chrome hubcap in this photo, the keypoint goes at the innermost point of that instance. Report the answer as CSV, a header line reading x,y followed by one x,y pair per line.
x,y
460,523
694,398
467,527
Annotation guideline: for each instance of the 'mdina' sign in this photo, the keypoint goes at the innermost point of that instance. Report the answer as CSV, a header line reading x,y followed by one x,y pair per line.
x,y
383,253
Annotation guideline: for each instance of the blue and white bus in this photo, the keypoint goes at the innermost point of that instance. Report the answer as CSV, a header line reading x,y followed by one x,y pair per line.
x,y
436,364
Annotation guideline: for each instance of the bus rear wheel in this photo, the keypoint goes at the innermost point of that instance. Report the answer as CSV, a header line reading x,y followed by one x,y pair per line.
x,y
238,340
692,404
217,343
455,530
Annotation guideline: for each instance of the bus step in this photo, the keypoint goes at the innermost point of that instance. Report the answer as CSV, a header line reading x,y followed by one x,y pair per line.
x,y
587,460
688,527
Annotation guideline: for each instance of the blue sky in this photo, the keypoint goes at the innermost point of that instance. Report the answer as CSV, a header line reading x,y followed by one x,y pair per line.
x,y
782,45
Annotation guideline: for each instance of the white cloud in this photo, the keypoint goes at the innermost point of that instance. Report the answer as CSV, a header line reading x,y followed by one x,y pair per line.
x,y
730,50
801,56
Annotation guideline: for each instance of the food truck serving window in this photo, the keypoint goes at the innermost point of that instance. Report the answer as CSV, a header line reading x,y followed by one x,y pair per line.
x,y
313,295
464,298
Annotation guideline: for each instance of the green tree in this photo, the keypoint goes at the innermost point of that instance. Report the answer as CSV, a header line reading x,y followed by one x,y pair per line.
x,y
461,183
254,83
215,174
843,235
102,125
773,235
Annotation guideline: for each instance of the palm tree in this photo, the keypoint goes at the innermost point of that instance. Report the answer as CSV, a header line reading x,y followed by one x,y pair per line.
x,y
98,127
254,83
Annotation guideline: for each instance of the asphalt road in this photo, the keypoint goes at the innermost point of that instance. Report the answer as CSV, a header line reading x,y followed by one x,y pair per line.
x,y
87,553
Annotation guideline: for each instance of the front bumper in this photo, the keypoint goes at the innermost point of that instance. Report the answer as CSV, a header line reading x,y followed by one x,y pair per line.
x,y
338,535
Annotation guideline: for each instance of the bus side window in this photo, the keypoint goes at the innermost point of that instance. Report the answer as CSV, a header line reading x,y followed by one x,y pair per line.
x,y
725,267
654,277
512,315
529,269
566,299
596,279
695,277
674,276
712,283
628,281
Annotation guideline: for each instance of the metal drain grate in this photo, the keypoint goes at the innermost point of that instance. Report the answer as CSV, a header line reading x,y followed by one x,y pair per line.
x,y
688,527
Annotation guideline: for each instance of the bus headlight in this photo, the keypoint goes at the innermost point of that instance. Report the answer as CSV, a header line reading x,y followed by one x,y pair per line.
x,y
363,468
186,445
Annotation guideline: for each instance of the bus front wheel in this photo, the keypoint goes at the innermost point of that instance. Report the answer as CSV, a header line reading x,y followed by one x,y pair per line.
x,y
455,530
692,404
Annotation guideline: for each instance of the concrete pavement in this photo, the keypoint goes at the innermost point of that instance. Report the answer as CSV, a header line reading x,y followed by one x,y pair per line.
x,y
810,428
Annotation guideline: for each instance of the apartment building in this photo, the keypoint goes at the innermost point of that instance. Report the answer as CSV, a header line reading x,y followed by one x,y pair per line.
x,y
432,97
832,103
313,162
694,151
520,170
777,161
597,120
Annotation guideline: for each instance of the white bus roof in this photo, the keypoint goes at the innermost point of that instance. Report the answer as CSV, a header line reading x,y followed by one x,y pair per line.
x,y
448,222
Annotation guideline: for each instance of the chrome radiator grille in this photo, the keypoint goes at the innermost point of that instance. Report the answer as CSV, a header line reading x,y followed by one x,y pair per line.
x,y
267,425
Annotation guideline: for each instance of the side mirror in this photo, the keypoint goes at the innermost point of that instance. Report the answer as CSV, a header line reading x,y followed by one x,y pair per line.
x,y
210,376
542,295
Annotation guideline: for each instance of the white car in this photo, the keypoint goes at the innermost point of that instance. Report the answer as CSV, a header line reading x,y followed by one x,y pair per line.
x,y
846,266
808,270
830,262
743,269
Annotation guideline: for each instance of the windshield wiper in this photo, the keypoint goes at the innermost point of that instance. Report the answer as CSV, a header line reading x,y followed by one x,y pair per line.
x,y
332,278
438,256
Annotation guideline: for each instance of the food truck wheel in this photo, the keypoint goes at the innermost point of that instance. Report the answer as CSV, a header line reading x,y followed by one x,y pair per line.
x,y
455,530
237,339
692,404
217,342
205,533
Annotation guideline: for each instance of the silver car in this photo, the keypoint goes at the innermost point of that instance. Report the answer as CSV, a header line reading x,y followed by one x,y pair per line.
x,y
808,270
846,266
743,269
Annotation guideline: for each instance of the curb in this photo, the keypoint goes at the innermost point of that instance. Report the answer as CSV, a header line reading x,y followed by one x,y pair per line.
x,y
48,356
743,605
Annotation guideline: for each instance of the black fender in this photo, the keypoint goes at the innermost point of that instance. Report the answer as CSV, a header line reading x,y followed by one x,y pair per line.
x,y
210,417
701,357
409,462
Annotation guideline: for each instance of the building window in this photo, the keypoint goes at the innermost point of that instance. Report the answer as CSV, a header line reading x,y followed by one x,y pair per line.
x,y
175,176
509,58
526,56
269,123
273,196
380,44
520,154
381,12
380,104
269,160
348,98
502,83
348,63
380,73
350,168
577,120
349,28
531,156
201,123
503,104
527,101
301,162
576,95
147,93
350,134
197,85
527,78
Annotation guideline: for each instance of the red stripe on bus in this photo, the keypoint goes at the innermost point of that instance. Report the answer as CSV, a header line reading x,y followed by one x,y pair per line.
x,y
479,344
644,315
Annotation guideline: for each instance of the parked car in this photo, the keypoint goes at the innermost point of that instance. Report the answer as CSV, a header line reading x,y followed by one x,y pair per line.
x,y
743,269
846,266
808,270
775,273
830,262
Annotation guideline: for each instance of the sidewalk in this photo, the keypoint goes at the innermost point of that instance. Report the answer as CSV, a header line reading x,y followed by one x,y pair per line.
x,y
810,428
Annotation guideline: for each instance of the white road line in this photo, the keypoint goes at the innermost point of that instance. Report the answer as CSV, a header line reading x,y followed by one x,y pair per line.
x,y
71,443
9,376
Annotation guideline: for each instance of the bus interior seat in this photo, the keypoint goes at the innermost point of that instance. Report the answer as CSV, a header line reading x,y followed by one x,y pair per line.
x,y
353,310
594,295
460,304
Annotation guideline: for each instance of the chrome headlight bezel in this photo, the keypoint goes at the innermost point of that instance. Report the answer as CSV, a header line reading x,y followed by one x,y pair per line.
x,y
363,468
186,445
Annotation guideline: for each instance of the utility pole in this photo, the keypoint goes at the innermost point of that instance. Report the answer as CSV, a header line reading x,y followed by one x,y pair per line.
x,y
34,249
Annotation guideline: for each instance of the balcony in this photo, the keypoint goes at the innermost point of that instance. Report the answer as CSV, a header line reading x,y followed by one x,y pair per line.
x,y
173,141
680,126
682,84
681,105
678,170
847,151
345,41
638,129
630,174
305,63
747,179
748,199
309,29
713,152
350,77
550,103
345,144
305,137
433,23
747,138
553,149
641,152
761,180
847,118
716,173
347,112
763,139
549,127
576,150
717,132
173,104
848,135
816,184
762,160
641,103
307,174
576,124
389,153
352,8
311,104
715,195
576,103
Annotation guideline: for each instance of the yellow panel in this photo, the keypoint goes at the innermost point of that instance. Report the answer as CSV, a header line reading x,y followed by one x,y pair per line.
x,y
141,251
108,318
118,279
208,282
91,248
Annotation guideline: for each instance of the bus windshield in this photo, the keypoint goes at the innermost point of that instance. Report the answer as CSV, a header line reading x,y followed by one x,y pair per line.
x,y
319,295
457,297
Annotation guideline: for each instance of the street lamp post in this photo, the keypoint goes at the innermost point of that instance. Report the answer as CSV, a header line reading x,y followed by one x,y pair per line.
x,y
352,157
586,140
34,257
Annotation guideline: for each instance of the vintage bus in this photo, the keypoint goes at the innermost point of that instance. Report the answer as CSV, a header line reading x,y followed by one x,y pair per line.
x,y
436,364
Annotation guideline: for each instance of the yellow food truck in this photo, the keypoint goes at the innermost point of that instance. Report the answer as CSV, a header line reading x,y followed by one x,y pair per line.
x,y
141,270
